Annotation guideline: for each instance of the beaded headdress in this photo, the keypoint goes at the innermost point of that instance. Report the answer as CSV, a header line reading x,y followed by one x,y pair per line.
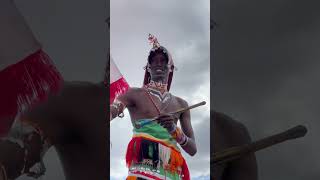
x,y
157,48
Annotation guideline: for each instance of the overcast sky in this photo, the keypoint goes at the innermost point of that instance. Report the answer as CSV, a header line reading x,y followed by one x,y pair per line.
x,y
183,28
266,75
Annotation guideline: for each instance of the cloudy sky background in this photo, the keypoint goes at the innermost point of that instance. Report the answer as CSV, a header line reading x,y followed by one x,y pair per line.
x,y
183,28
266,75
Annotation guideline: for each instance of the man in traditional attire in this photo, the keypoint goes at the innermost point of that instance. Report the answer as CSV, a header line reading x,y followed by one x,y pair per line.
x,y
154,150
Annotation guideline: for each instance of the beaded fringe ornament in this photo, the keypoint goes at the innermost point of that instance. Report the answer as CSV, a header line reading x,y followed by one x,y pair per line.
x,y
26,84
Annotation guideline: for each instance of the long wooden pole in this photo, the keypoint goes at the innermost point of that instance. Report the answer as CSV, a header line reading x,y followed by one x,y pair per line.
x,y
234,153
172,113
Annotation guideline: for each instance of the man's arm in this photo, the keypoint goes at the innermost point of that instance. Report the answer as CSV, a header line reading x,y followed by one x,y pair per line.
x,y
11,159
120,104
185,121
20,151
184,136
32,134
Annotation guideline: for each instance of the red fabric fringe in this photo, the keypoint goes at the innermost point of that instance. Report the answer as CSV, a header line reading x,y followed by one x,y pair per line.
x,y
176,160
133,151
26,84
130,152
118,87
185,171
137,148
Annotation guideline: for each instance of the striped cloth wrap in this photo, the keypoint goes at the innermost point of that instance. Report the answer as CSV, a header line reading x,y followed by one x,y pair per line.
x,y
152,153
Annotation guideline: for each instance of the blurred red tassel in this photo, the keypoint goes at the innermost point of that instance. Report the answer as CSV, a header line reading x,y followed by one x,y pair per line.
x,y
25,84
137,147
133,151
130,152
185,171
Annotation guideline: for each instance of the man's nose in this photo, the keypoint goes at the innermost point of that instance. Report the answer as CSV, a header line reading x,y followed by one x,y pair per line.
x,y
159,62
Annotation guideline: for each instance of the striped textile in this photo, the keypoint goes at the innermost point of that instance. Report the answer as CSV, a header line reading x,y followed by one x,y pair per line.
x,y
118,84
153,154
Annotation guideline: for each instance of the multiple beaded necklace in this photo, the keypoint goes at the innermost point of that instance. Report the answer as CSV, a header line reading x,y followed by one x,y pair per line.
x,y
160,91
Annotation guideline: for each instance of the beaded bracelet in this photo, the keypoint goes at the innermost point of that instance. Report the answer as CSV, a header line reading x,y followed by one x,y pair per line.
x,y
119,106
185,142
178,135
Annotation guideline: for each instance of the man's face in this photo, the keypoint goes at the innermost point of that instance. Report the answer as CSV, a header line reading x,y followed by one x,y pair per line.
x,y
159,70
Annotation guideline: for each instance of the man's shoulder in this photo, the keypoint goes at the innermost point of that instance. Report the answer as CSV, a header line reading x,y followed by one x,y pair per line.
x,y
231,127
135,90
75,88
181,101
226,121
131,94
75,85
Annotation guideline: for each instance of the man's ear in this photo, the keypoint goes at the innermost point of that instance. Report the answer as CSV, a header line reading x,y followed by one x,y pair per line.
x,y
148,68
171,68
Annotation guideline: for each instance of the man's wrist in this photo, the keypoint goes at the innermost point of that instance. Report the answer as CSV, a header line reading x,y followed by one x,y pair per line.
x,y
172,128
179,136
185,142
119,107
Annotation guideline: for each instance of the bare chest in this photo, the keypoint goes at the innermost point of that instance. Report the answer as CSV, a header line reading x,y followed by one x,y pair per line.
x,y
148,105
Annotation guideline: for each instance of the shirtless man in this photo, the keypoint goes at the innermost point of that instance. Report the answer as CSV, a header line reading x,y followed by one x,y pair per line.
x,y
73,120
154,100
228,133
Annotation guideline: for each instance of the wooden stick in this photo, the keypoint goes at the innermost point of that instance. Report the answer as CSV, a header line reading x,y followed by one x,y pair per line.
x,y
188,108
173,113
234,153
183,109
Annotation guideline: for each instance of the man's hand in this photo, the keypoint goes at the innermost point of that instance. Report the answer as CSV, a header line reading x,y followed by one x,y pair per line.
x,y
167,121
